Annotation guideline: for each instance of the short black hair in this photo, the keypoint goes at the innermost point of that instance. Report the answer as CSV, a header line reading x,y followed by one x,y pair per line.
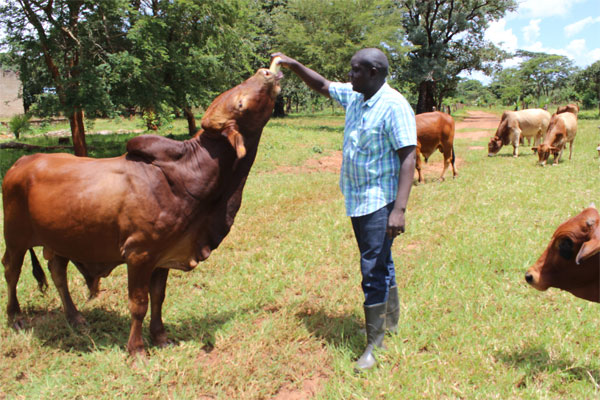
x,y
373,58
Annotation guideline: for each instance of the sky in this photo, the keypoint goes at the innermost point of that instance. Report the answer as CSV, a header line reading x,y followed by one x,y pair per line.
x,y
568,28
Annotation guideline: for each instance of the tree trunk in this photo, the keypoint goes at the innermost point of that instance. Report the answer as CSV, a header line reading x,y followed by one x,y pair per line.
x,y
78,132
279,110
426,102
189,115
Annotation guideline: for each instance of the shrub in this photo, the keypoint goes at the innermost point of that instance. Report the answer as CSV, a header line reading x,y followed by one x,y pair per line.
x,y
19,124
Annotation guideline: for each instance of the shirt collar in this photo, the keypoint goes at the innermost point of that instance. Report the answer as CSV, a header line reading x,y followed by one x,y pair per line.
x,y
376,96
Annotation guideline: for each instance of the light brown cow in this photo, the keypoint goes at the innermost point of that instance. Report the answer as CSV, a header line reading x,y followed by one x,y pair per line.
x,y
572,108
571,261
435,130
517,125
562,130
165,204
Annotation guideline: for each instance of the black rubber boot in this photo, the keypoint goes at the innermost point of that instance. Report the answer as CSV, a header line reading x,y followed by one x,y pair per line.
x,y
375,320
392,311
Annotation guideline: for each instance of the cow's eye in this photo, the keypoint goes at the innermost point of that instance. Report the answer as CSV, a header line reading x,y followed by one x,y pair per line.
x,y
565,248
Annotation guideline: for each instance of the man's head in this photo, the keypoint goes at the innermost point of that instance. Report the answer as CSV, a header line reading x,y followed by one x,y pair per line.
x,y
369,67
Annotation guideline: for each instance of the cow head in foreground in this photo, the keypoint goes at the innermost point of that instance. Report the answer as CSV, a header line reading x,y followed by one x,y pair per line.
x,y
571,261
163,205
243,107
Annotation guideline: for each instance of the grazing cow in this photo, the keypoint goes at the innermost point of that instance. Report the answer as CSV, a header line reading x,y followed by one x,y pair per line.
x,y
571,261
572,108
435,130
516,125
562,130
164,204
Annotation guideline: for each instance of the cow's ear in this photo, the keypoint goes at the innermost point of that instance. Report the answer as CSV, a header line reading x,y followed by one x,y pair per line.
x,y
591,247
534,148
235,138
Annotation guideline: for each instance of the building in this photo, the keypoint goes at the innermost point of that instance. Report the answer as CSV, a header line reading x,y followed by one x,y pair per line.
x,y
11,102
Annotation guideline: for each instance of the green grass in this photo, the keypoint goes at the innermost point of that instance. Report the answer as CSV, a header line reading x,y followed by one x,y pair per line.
x,y
276,308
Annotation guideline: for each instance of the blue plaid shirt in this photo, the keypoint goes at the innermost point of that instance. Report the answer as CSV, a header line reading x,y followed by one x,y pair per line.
x,y
374,130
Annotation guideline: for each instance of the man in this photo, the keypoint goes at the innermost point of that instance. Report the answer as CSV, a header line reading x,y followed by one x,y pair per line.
x,y
380,139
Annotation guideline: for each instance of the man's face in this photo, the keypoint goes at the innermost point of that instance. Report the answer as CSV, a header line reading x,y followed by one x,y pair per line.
x,y
360,76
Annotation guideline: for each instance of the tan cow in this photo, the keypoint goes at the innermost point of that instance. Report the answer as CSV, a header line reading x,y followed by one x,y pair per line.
x,y
571,260
572,108
517,125
435,131
163,205
562,130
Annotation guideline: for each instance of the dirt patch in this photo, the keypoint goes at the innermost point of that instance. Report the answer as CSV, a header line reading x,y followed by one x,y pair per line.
x,y
310,388
331,163
477,125
433,169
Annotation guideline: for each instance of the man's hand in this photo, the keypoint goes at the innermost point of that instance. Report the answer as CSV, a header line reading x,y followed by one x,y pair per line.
x,y
396,223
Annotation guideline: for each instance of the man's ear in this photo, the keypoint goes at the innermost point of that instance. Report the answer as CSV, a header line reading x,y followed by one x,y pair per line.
x,y
235,138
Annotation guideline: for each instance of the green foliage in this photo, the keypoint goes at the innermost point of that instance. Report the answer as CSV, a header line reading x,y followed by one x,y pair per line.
x,y
19,124
325,34
447,37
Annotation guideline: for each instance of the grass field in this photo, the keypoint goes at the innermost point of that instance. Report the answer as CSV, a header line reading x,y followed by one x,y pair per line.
x,y
275,311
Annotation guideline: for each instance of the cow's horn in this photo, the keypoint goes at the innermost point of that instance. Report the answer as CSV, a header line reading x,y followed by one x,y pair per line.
x,y
275,67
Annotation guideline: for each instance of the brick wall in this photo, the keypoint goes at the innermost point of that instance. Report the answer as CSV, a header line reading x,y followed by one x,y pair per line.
x,y
10,94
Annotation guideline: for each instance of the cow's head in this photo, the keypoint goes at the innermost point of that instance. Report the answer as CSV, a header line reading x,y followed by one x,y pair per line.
x,y
241,113
501,138
572,260
544,150
494,146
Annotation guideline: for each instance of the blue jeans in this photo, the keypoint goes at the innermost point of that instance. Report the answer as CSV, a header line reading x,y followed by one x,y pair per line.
x,y
376,264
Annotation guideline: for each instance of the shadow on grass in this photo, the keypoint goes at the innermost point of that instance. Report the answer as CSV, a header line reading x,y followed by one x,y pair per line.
x,y
107,329
337,330
534,360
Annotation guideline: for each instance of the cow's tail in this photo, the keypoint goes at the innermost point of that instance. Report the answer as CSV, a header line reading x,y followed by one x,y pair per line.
x,y
453,155
38,272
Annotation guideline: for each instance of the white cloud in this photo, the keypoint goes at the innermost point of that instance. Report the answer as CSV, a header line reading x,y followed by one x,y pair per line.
x,y
576,27
532,31
576,47
546,8
502,37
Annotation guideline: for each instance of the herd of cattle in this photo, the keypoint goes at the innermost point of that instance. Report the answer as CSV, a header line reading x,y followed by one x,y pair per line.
x,y
167,204
549,133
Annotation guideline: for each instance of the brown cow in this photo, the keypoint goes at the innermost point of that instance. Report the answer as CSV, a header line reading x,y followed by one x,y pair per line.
x,y
435,130
514,126
571,261
572,108
562,130
164,204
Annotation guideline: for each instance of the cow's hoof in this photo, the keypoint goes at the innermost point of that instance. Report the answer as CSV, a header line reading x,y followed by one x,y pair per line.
x,y
77,321
18,324
162,341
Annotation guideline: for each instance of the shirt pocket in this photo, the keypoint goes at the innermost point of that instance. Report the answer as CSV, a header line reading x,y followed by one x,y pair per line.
x,y
371,138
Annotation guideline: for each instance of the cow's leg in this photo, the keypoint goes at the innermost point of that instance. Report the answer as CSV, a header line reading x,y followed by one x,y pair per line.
x,y
570,149
93,283
158,286
58,271
418,166
138,282
447,151
13,262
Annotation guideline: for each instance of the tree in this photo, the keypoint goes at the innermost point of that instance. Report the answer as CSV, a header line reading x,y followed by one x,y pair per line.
x,y
447,38
184,53
73,38
544,74
587,82
325,34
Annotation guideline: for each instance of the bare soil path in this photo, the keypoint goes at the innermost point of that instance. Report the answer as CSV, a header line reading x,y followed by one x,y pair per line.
x,y
476,125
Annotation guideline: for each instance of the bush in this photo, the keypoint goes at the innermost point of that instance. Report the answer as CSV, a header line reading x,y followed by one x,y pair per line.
x,y
19,124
